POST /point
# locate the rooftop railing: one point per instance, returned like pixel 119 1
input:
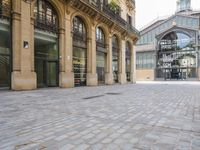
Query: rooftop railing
pixel 102 6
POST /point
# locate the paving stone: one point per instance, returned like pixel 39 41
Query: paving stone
pixel 67 147
pixel 143 116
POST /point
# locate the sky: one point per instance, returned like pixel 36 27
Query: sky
pixel 149 10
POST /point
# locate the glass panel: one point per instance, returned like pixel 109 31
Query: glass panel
pixel 5 51
pixel 40 70
pixel 128 61
pixel 79 30
pixel 101 58
pixel 46 50
pixel 5 71
pixel 79 64
pixel 51 73
pixel 46 16
pixel 115 57
pixel 79 51
pixel 176 57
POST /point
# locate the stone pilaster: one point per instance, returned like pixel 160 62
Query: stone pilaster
pixel 109 71
pixel 198 74
pixel 133 65
pixel 91 57
pixel 23 76
pixel 66 76
pixel 122 63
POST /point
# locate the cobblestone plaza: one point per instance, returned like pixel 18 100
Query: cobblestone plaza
pixel 141 116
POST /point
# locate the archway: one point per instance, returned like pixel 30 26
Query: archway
pixel 46 44
pixel 101 55
pixel 5 43
pixel 115 58
pixel 176 57
pixel 79 51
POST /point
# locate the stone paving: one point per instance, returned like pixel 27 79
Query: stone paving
pixel 119 117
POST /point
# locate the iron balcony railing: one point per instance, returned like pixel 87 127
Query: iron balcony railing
pixel 5 9
pixel 96 3
pixel 78 36
pixel 101 5
pixel 100 44
pixel 44 21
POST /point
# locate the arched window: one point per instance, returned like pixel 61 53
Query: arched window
pixel 176 57
pixel 176 40
pixel 101 55
pixel 46 44
pixel 100 37
pixel 79 51
pixel 79 30
pixel 46 17
pixel 128 61
pixel 115 57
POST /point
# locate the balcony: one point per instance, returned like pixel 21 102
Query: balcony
pixel 95 7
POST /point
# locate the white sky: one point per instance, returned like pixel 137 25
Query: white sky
pixel 149 10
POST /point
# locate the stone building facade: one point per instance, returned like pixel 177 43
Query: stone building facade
pixel 168 48
pixel 66 43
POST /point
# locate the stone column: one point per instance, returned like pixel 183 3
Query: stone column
pixel 91 59
pixel 66 76
pixel 122 63
pixel 133 65
pixel 23 76
pixel 109 70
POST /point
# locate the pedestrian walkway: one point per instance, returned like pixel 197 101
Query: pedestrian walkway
pixel 170 82
pixel 118 117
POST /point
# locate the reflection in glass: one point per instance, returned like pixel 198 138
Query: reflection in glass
pixel 115 58
pixel 46 59
pixel 5 47
pixel 101 55
pixel 79 64
pixel 46 44
pixel 176 57
pixel 128 61
pixel 79 52
pixel 46 16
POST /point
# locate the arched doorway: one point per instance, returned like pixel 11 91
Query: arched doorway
pixel 46 44
pixel 79 51
pixel 5 43
pixel 176 57
pixel 128 61
pixel 115 58
pixel 101 55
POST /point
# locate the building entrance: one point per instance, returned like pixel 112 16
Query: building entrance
pixel 47 72
pixel 46 59
pixel 46 44
pixel 178 73
pixel 176 58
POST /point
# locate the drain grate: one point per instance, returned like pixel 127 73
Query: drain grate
pixel 113 93
pixel 92 97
